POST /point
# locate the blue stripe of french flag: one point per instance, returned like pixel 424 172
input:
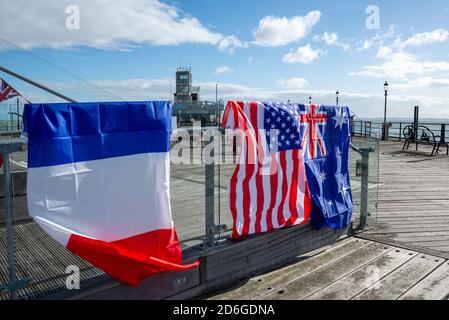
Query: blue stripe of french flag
pixel 98 182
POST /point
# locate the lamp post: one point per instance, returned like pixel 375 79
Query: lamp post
pixel 310 100
pixel 384 127
pixel 337 95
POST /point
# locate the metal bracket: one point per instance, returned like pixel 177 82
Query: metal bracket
pixel 216 229
pixel 14 286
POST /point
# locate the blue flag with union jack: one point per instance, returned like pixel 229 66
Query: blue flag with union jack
pixel 293 166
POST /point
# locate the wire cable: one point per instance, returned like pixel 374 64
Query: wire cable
pixel 59 68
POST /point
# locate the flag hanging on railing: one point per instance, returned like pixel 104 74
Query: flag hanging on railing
pixel 293 166
pixel 98 182
pixel 7 91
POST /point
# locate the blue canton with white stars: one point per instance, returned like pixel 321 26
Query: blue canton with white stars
pixel 284 118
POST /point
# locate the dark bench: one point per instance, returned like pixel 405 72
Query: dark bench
pixel 424 136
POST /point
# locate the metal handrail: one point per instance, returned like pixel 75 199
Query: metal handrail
pixel 359 127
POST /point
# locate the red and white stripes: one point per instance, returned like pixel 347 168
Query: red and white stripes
pixel 267 190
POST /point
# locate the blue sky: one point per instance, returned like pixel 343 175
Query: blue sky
pixel 262 50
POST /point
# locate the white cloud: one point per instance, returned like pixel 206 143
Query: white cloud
pixel 118 26
pixel 393 39
pixel 384 52
pixel 422 82
pixel 223 70
pixel 438 35
pixel 278 31
pixel 328 37
pixel 401 65
pixel 331 38
pixel 293 83
pixel 231 43
pixel 380 39
pixel 363 104
pixel 365 46
pixel 305 55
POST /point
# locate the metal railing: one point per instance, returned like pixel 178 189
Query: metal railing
pixel 209 175
pixel 11 116
pixel 6 148
pixel 365 129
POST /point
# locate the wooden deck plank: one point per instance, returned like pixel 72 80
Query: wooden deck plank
pixel 433 287
pixel 258 286
pixel 310 283
pixel 354 283
pixel 402 279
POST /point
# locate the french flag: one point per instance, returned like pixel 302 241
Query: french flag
pixel 98 183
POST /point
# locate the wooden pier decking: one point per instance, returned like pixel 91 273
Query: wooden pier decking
pixel 413 199
pixel 354 269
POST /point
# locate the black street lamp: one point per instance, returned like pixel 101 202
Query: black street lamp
pixel 384 131
pixel 337 95
pixel 310 100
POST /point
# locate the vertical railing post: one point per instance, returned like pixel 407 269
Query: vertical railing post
pixel 364 188
pixel 416 125
pixel 363 168
pixel 18 115
pixel 443 133
pixel 210 200
pixel 6 148
pixel 10 119
pixel 9 224
pixel 211 228
pixel 400 131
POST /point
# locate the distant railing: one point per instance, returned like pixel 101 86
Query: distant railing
pixel 11 116
pixel 365 129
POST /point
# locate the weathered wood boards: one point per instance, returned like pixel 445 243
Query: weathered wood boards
pixel 311 283
pixel 352 270
pixel 261 285
pixel 401 280
pixel 354 283
pixel 434 286
pixel 413 198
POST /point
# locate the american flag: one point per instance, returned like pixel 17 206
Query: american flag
pixel 6 91
pixel 283 146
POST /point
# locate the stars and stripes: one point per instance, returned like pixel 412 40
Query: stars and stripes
pixel 268 189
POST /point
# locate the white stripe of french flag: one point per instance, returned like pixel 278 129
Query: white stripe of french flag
pixel 98 183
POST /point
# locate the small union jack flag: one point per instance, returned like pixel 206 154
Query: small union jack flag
pixel 6 91
pixel 311 120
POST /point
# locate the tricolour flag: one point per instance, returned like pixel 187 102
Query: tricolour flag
pixel 293 166
pixel 98 182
